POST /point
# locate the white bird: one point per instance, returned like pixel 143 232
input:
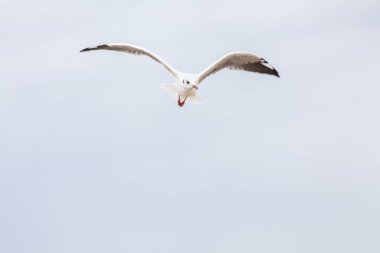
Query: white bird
pixel 186 85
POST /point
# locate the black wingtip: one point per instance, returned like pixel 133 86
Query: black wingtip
pixel 104 46
pixel 275 72
pixel 268 69
pixel 84 50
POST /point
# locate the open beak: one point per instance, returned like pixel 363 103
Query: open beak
pixel 195 87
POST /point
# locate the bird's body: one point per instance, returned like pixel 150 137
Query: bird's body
pixel 186 86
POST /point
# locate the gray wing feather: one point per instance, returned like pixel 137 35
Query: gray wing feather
pixel 131 49
pixel 239 61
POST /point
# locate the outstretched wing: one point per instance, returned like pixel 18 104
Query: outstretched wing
pixel 127 48
pixel 239 61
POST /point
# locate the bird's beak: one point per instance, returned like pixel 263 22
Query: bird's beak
pixel 195 87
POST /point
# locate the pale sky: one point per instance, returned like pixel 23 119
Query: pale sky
pixel 94 157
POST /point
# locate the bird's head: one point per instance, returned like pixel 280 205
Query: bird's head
pixel 190 82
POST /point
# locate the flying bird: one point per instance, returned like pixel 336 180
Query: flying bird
pixel 186 86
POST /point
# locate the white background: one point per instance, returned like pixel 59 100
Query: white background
pixel 94 157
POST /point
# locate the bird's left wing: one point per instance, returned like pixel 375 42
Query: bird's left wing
pixel 128 48
pixel 239 61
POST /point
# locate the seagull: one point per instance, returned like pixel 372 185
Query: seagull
pixel 186 86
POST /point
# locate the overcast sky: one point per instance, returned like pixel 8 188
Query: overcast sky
pixel 94 157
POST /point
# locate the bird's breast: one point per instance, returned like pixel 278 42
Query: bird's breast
pixel 185 91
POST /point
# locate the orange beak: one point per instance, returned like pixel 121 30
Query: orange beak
pixel 195 87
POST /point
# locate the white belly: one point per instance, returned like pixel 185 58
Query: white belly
pixel 185 91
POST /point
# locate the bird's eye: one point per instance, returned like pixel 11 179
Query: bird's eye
pixel 187 82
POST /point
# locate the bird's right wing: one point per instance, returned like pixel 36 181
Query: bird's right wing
pixel 128 48
pixel 239 61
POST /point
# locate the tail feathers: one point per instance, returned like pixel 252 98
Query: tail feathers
pixel 194 100
pixel 170 89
